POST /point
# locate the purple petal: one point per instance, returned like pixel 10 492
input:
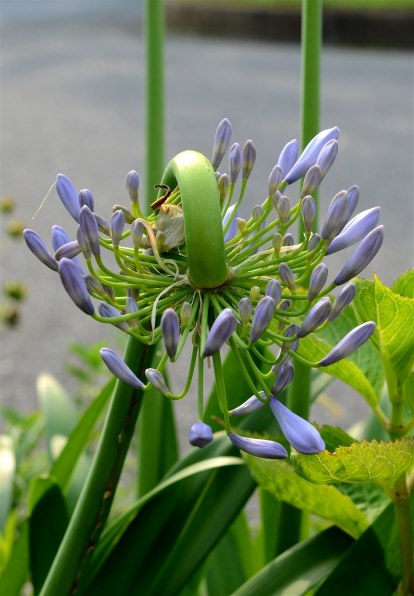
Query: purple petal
pixel 132 185
pixel 221 330
pixel 170 329
pixel 310 154
pixel 75 285
pixel 250 405
pixel 221 142
pixel 302 435
pixel 235 161
pixel 349 343
pixel 262 316
pixel 68 195
pixel 317 280
pixel 342 300
pixel 157 380
pixel 362 256
pixel 355 230
pixel 117 226
pixel 249 159
pixel 315 317
pixel 118 368
pixel 89 227
pixel 259 447
pixel 288 156
pixel 284 377
pixel 39 249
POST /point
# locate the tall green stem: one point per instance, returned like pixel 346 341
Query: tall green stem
pixel 97 495
pixel 401 498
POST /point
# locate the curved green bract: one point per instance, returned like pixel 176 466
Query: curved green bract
pixel 194 175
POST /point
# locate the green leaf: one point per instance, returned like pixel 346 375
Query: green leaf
pixel 280 479
pixel 300 568
pixel 408 391
pixel 361 462
pixel 404 284
pixel 7 471
pixel 13 577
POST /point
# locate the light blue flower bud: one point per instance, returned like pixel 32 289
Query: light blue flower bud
pixel 90 229
pixel 129 218
pixel 262 316
pixel 355 230
pixel 137 232
pixel 287 276
pixel 186 311
pixel 108 311
pixel 221 330
pixel 302 435
pixel 170 329
pixel 249 158
pixel 342 300
pixel 119 369
pixel 223 184
pixel 283 379
pixel 275 178
pixel 232 230
pixel 250 405
pixel 75 285
pixel 157 380
pixel 68 250
pixel 200 434
pixel 308 211
pixel 310 154
pixel 288 240
pixel 312 180
pixel 314 241
pixel 336 216
pixel 257 212
pixel 276 199
pixel 259 447
pixel 291 331
pixel 274 290
pixel 131 306
pixel 94 286
pixel 68 195
pixel 349 343
pixel 327 156
pixel 83 243
pixel 103 225
pixel 117 226
pixel 283 209
pixel 221 142
pixel 353 198
pixel 132 185
pixel 39 249
pixel 361 257
pixel 316 316
pixel 245 310
pixel 86 198
pixel 59 237
pixel 235 161
pixel 317 280
pixel 288 156
pixel 285 305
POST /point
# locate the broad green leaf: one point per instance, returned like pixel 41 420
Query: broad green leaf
pixel 13 577
pixel 279 478
pixel 371 499
pixel 300 568
pixel 7 471
pixel 408 391
pixel 404 284
pixel 335 437
pixel 361 462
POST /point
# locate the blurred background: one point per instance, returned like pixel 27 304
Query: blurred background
pixel 72 101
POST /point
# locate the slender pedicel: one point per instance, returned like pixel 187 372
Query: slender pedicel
pixel 200 434
pixel 118 368
pixel 349 343
pixel 259 447
pixel 302 435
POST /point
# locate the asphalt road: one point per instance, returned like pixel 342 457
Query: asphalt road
pixel 72 101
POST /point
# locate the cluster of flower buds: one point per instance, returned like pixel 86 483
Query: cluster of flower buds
pixel 277 290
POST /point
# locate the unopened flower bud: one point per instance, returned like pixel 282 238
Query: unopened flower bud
pixel 250 405
pixel 327 156
pixel 277 242
pixel 285 305
pixel 241 224
pixel 308 211
pixel 287 276
pixel 83 243
pixel 131 306
pixel 262 316
pixel 235 161
pixel 288 156
pixel 290 332
pixel 342 300
pixel 317 280
pixel 336 216
pixel 274 290
pixel 288 240
pixel 86 198
pixel 68 250
pixel 355 230
pixel 103 225
pixel 109 311
pixel 315 317
pixel 314 241
pixel 221 330
pixel 170 329
pixel 75 285
pixel 117 227
pixel 221 142
pixel 119 369
pixel 353 198
pixel 245 310
pixel 137 232
pixel 39 249
pixel 59 237
pixel 132 185
pixel 129 218
pixel 68 195
pixel 232 229
pixel 361 257
pixel 254 293
pixel 157 380
pixel 283 209
pixel 249 158
pixel 94 286
pixel 283 379
pixel 310 154
pixel 351 342
pixel 200 434
pixel 186 311
pixel 259 447
pixel 312 180
pixel 275 178
pixel 257 212
pixel 90 230
pixel 223 184
pixel 300 433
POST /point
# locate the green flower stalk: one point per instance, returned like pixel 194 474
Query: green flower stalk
pixel 194 267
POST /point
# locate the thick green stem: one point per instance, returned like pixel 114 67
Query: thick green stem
pixel 97 495
pixel 401 498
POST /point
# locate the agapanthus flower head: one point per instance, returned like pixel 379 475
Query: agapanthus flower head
pixel 200 269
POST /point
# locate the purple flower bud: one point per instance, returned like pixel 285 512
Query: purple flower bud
pixel 221 330
pixel 119 369
pixel 291 331
pixel 232 230
pixel 68 195
pixel 284 377
pixel 94 286
pixel 170 329
pixel 317 280
pixel 287 276
pixel 223 184
pixel 257 212
pixel 283 209
pixel 249 158
pixel 349 343
pixel 327 156
pixel 259 447
pixel 117 226
pixel 221 142
pixel 245 310
pixel 109 311
pixel 274 290
pixel 59 237
pixel 343 299
pixel 336 216
pixel 235 161
pixel 308 210
pixel 316 316
pixel 355 230
pixel 262 316
pixel 353 198
pixel 288 240
pixel 137 231
pixel 131 305
pixel 361 257
pixel 68 250
pixel 86 198
pixel 39 249
pixel 314 241
pixel 83 243
pixel 275 178
pixel 312 180
pixel 200 434
pixel 103 225
pixel 302 435
pixel 132 185
pixel 288 156
pixel 157 380
pixel 75 285
pixel 250 405
pixel 90 230
pixel 285 305
pixel 310 154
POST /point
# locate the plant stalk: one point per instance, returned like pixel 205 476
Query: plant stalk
pixel 401 499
